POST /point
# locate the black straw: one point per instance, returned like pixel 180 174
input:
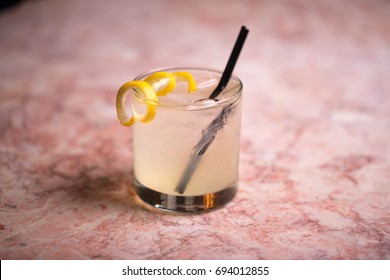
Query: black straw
pixel 231 63
pixel 208 134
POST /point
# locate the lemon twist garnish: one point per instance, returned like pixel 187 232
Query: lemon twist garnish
pixel 187 77
pixel 155 78
pixel 163 82
pixel 150 99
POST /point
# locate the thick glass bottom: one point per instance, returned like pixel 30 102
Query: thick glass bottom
pixel 189 204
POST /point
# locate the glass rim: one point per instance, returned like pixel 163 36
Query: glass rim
pixel 237 91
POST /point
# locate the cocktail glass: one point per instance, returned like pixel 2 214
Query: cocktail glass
pixel 187 158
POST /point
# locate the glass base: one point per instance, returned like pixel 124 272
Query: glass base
pixel 189 204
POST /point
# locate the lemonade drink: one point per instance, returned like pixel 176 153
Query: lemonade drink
pixel 164 147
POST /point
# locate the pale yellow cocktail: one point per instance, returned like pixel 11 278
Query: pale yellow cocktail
pixel 186 158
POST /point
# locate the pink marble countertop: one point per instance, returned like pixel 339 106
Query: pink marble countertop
pixel 315 149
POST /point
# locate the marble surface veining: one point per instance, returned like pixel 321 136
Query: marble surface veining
pixel 315 144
